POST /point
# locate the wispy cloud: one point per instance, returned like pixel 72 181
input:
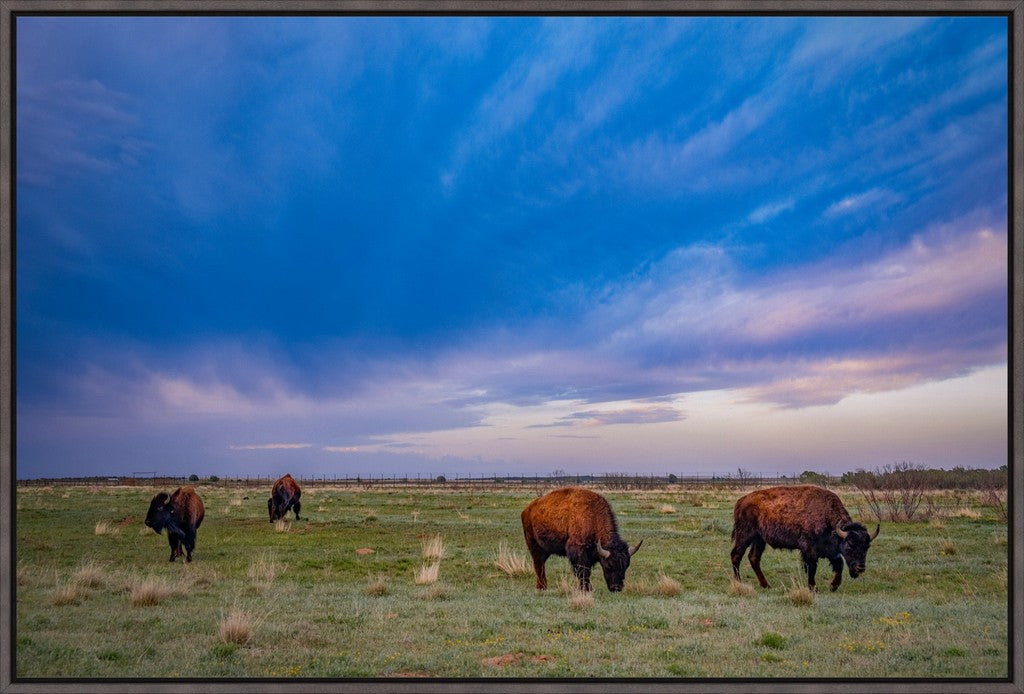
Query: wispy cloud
pixel 270 446
pixel 636 415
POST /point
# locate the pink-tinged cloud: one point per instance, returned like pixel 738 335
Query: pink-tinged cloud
pixel 270 446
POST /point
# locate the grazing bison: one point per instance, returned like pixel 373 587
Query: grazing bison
pixel 804 517
pixel 181 513
pixel 284 496
pixel 579 524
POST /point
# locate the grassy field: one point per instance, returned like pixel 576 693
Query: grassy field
pixel 96 596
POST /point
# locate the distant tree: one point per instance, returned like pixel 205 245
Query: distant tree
pixel 214 478
pixel 193 478
pixel 672 479
pixel 811 477
pixel 440 478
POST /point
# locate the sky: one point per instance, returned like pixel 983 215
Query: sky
pixel 510 245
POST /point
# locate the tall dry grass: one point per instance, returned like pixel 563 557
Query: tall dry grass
pixel 236 627
pixel 263 569
pixel 150 591
pixel 511 562
pixel 433 548
pixel 428 573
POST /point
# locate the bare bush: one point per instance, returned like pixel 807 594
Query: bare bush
pixel 894 492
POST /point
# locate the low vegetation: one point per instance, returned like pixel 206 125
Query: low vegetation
pixel 336 596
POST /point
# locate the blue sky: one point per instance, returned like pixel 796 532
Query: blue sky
pixel 401 245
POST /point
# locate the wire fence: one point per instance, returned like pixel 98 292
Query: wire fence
pixel 610 481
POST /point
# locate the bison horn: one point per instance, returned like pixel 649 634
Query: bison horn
pixel 633 551
pixel 840 532
pixel 602 552
pixel 875 534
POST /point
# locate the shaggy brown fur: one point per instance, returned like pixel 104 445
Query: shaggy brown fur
pixel 579 524
pixel 181 513
pixel 804 517
pixel 284 496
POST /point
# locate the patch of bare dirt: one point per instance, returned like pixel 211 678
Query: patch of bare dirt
pixel 364 550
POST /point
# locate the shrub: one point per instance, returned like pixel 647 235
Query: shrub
pixel 193 478
pixel 771 639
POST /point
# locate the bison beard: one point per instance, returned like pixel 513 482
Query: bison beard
pixel 181 513
pixel 578 524
pixel 804 517
pixel 284 495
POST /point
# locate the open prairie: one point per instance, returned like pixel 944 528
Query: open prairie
pixel 430 582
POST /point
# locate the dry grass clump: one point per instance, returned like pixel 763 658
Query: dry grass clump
pixel 433 548
pixel 510 561
pixel 262 571
pixel 936 524
pixel 581 599
pixel 999 538
pixel 948 548
pixel 965 513
pixel 428 573
pixel 739 589
pixel 67 594
pixel 282 526
pixel 105 528
pixel 437 591
pixel 799 594
pixel 667 586
pixel 235 502
pixel 236 627
pixel 88 575
pixel 150 591
pixel 668 508
pixel 377 586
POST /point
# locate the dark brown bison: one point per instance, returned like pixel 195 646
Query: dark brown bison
pixel 284 496
pixel 579 524
pixel 804 517
pixel 181 513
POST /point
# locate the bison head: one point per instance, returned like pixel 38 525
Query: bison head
pixel 854 542
pixel 159 515
pixel 614 562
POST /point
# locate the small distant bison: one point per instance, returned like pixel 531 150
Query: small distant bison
pixel 284 496
pixel 579 524
pixel 181 513
pixel 804 517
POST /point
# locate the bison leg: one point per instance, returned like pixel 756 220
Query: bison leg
pixel 837 570
pixel 755 560
pixel 190 544
pixel 539 557
pixel 175 543
pixel 738 549
pixel 580 566
pixel 295 507
pixel 811 566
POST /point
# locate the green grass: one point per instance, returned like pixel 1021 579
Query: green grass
pixel 320 609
